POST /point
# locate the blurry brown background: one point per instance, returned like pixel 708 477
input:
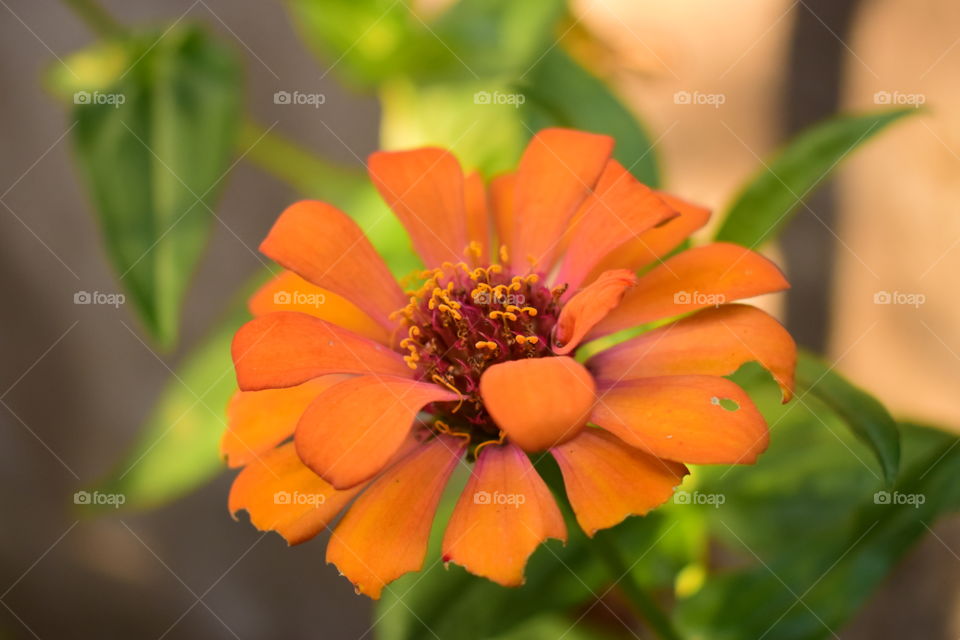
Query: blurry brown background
pixel 76 381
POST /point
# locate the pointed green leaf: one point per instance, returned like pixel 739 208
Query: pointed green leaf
pixel 764 206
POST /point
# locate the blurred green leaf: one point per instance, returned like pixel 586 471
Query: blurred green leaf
pixel 561 93
pixel 178 449
pixel 810 530
pixel 863 413
pixel 154 148
pixel 766 203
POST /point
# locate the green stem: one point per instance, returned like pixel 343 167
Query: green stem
pixel 96 18
pixel 644 605
pixel 292 163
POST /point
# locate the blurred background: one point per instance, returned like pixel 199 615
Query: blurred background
pixel 77 381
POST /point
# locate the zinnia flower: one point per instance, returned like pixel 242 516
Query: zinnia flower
pixel 356 396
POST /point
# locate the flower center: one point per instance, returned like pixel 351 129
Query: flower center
pixel 461 321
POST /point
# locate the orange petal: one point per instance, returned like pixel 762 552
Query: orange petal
pixel 385 533
pixel 424 188
pixel 538 402
pixel 260 420
pixel 478 216
pixel 290 292
pixel 684 418
pixel 714 342
pixel 501 202
pixel 694 279
pixel 283 495
pixel 503 514
pixel 349 433
pixel 655 243
pixel 608 480
pixel 588 307
pixel 618 211
pixel 557 171
pixel 322 244
pixel 285 348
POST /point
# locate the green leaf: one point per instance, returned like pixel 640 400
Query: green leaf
pixel 561 93
pixel 764 206
pixel 154 148
pixel 178 448
pixel 863 413
pixel 810 530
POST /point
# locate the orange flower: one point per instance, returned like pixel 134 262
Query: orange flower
pixel 384 393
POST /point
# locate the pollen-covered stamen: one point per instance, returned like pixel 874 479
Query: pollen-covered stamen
pixel 461 321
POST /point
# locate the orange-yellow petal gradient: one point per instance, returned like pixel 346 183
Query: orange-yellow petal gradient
pixel 259 420
pixel 290 292
pixel 283 495
pixel 502 516
pixel 713 342
pixel 538 402
pixel 478 215
pixel 608 480
pixel 287 348
pixel 618 211
pixel 502 189
pixel 588 307
pixel 702 277
pixel 326 247
pixel 424 188
pixel 385 533
pixel 557 171
pixel 655 243
pixel 351 430
pixel 684 418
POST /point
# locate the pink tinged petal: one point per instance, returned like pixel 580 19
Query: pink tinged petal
pixel 538 402
pixel 557 171
pixel 286 348
pixel 327 248
pixel 588 307
pixel 424 188
pixel 385 533
pixel 713 342
pixel 693 419
pixel 618 211
pixel 702 277
pixel 502 516
pixel 350 432
pixel 607 480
